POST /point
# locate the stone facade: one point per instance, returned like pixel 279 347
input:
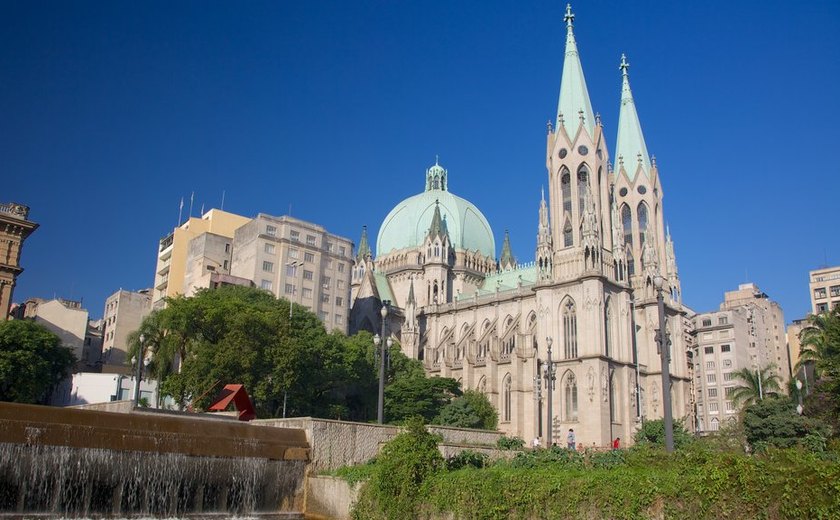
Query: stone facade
pixel 586 306
pixel 124 311
pixel 15 228
pixel 825 289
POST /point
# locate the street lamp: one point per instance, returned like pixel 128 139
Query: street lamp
pixel 799 393
pixel 140 361
pixel 550 372
pixel 381 345
pixel 665 354
pixel 294 266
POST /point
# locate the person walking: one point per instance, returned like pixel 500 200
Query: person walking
pixel 570 439
pixel 536 443
pixel 617 443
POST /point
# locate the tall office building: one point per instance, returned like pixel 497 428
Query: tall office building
pixel 298 261
pixel 825 289
pixel 15 228
pixel 124 311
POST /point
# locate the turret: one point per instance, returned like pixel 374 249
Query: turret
pixel 506 259
pixel 544 252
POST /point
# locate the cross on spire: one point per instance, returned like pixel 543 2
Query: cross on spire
pixel 436 160
pixel 624 65
pixel 570 17
pixel 580 115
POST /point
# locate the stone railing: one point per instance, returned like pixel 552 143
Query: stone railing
pixel 15 210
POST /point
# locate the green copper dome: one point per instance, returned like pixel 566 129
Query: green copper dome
pixel 408 223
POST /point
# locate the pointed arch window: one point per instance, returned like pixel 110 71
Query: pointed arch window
pixel 570 398
pixel 631 263
pixel 582 183
pixel 570 346
pixel 566 188
pixel 627 224
pixel 568 236
pixel 642 212
pixel 506 399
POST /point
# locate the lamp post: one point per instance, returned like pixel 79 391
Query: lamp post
pixel 140 360
pixel 665 355
pixel 381 343
pixel 294 266
pixel 799 393
pixel 538 401
pixel 549 387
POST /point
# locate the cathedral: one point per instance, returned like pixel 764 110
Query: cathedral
pixel 566 341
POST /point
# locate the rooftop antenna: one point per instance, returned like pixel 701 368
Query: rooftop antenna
pixel 192 196
pixel 180 210
pixel 290 209
pixel 202 209
pixel 223 200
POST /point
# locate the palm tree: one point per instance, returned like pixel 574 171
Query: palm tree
pixel 820 342
pixel 755 384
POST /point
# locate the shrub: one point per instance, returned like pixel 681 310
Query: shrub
pixel 774 422
pixel 653 432
pixel 510 443
pixel 607 459
pixel 467 458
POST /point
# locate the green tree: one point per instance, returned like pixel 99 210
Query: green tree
pixel 653 433
pixel 820 343
pixel 774 422
pixel 755 385
pixel 32 361
pixel 413 394
pixel 471 410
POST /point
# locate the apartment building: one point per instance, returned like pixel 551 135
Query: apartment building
pixel 298 261
pixel 123 314
pixel 746 332
pixel 825 289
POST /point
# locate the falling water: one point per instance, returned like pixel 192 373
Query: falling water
pixel 83 482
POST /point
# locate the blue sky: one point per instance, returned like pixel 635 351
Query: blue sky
pixel 110 112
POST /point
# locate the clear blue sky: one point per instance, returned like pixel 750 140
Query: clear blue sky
pixel 111 111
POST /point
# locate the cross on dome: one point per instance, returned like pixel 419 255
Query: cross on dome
pixel 570 17
pixel 624 65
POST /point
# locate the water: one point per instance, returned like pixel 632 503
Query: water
pixel 62 481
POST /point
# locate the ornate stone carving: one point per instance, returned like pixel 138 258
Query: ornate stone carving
pixel 590 383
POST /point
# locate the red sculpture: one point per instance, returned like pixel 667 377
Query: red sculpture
pixel 239 397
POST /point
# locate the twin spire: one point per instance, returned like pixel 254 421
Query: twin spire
pixel 574 107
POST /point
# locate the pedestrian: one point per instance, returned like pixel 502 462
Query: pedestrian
pixel 617 443
pixel 536 443
pixel 570 439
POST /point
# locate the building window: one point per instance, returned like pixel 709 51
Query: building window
pixel 711 378
pixel 310 240
pixel 707 322
pixel 568 237
pixel 643 223
pixel 627 224
pixel 834 290
pixel 726 363
pixel 307 293
pixel 709 350
pixel 338 301
pixel 822 307
pixel 570 330
pixel 329 246
pixel 322 315
pixel 339 284
pixel 325 298
pixel 725 348
pixel 308 257
pixel 342 250
pixel 339 319
pixel 730 406
pixel 269 248
pixel 819 292
pixel 307 275
pixel 506 412
pixel 266 284
pixel 571 398
pixel 340 267
pixel 293 253
pixel 710 365
pixel 295 236
pixel 715 424
pixel 566 188
pixel 728 391
pixel 728 376
pixel 268 267
pixel 227 248
pixel 291 270
pixel 712 392
pixel 225 265
pixel 290 289
pixel 582 185
pixel 327 282
pixel 723 320
pixel 713 407
pixel 270 231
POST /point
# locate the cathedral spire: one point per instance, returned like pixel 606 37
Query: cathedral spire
pixel 630 148
pixel 506 260
pixel 544 254
pixel 411 300
pixel 438 227
pixel 364 246
pixel 573 107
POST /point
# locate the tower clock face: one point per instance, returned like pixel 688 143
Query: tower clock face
pixel 563 153
pixel 583 150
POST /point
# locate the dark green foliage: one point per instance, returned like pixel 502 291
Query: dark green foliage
pixel 653 432
pixel 414 394
pixel 554 457
pixel 355 474
pixel 467 458
pixel 32 361
pixel 401 468
pixel 607 459
pixel 510 443
pixel 471 410
pixel 823 403
pixel 774 422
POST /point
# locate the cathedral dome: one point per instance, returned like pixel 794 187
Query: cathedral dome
pixel 408 223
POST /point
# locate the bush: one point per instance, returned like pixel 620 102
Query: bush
pixel 607 459
pixel 467 458
pixel 355 474
pixel 555 457
pixel 653 432
pixel 510 443
pixel 774 422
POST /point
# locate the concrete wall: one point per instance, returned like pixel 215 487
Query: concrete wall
pixel 329 497
pixel 339 443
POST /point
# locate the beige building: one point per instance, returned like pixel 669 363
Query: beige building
pixel 69 321
pixel 489 321
pixel 124 311
pixel 298 261
pixel 173 251
pixel 15 228
pixel 794 345
pixel 747 332
pixel 825 289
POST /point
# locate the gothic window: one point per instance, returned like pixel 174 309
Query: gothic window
pixel 566 186
pixel 568 238
pixel 583 182
pixel 631 263
pixel 627 224
pixel 570 347
pixel 506 415
pixel 643 222
pixel 607 328
pixel 570 397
